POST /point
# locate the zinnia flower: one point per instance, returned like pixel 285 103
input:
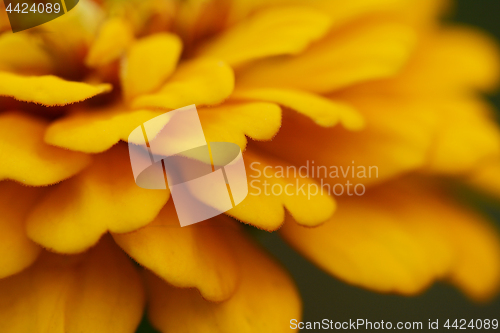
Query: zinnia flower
pixel 362 82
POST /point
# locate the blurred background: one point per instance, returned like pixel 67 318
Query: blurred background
pixel 326 297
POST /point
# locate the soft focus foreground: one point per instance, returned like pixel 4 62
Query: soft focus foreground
pixel 367 82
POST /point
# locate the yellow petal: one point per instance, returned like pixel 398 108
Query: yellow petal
pixel 200 82
pixel 201 255
pixel 322 111
pixel 96 131
pixel 76 213
pixel 99 291
pixel 48 90
pixel 466 138
pixel 113 39
pixel 486 177
pixel 27 159
pixel 148 63
pixel 270 193
pixel 400 239
pixel 265 299
pixel 17 251
pixel 234 122
pixel 358 54
pixel 271 32
pixel 22 53
pixel 389 148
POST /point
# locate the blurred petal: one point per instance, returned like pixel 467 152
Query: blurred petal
pixel 23 53
pixel 148 63
pixel 76 213
pixel 48 90
pixel 466 138
pixel 200 253
pixel 200 82
pixel 99 291
pixel 265 299
pixel 96 131
pixel 322 111
pixel 113 39
pixel 27 159
pixel 17 251
pixel 361 53
pixel 401 241
pixel 271 32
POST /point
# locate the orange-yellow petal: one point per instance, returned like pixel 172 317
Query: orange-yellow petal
pixel 322 111
pixel 402 240
pixel 17 251
pixel 96 131
pixel 99 291
pixel 234 122
pixel 357 54
pixel 148 63
pixel 272 189
pixel 76 213
pixel 265 299
pixel 27 159
pixel 270 32
pixel 200 82
pixel 48 90
pixel 200 254
pixel 113 40
pixel 23 53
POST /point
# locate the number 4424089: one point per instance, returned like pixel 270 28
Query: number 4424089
pixel 462 324
pixel 24 8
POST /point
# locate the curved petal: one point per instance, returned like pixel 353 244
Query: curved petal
pixel 361 53
pixel 200 82
pixel 48 90
pixel 402 240
pixel 99 291
pixel 272 188
pixel 27 159
pixel 17 251
pixel 233 122
pixel 96 131
pixel 114 38
pixel 76 213
pixel 264 301
pixel 270 32
pixel 201 255
pixel 322 111
pixel 23 54
pixel 148 63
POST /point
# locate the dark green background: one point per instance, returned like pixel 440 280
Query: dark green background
pixel 326 297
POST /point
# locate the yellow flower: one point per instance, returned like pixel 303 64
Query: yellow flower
pixel 374 82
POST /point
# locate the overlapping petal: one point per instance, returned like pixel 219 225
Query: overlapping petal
pixel 264 301
pixel 202 81
pixel 148 63
pixel 99 291
pixel 114 38
pixel 17 251
pixel 402 240
pixel 96 131
pixel 343 58
pixel 270 32
pixel 33 59
pixel 48 90
pixel 76 213
pixel 322 111
pixel 27 159
pixel 201 254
